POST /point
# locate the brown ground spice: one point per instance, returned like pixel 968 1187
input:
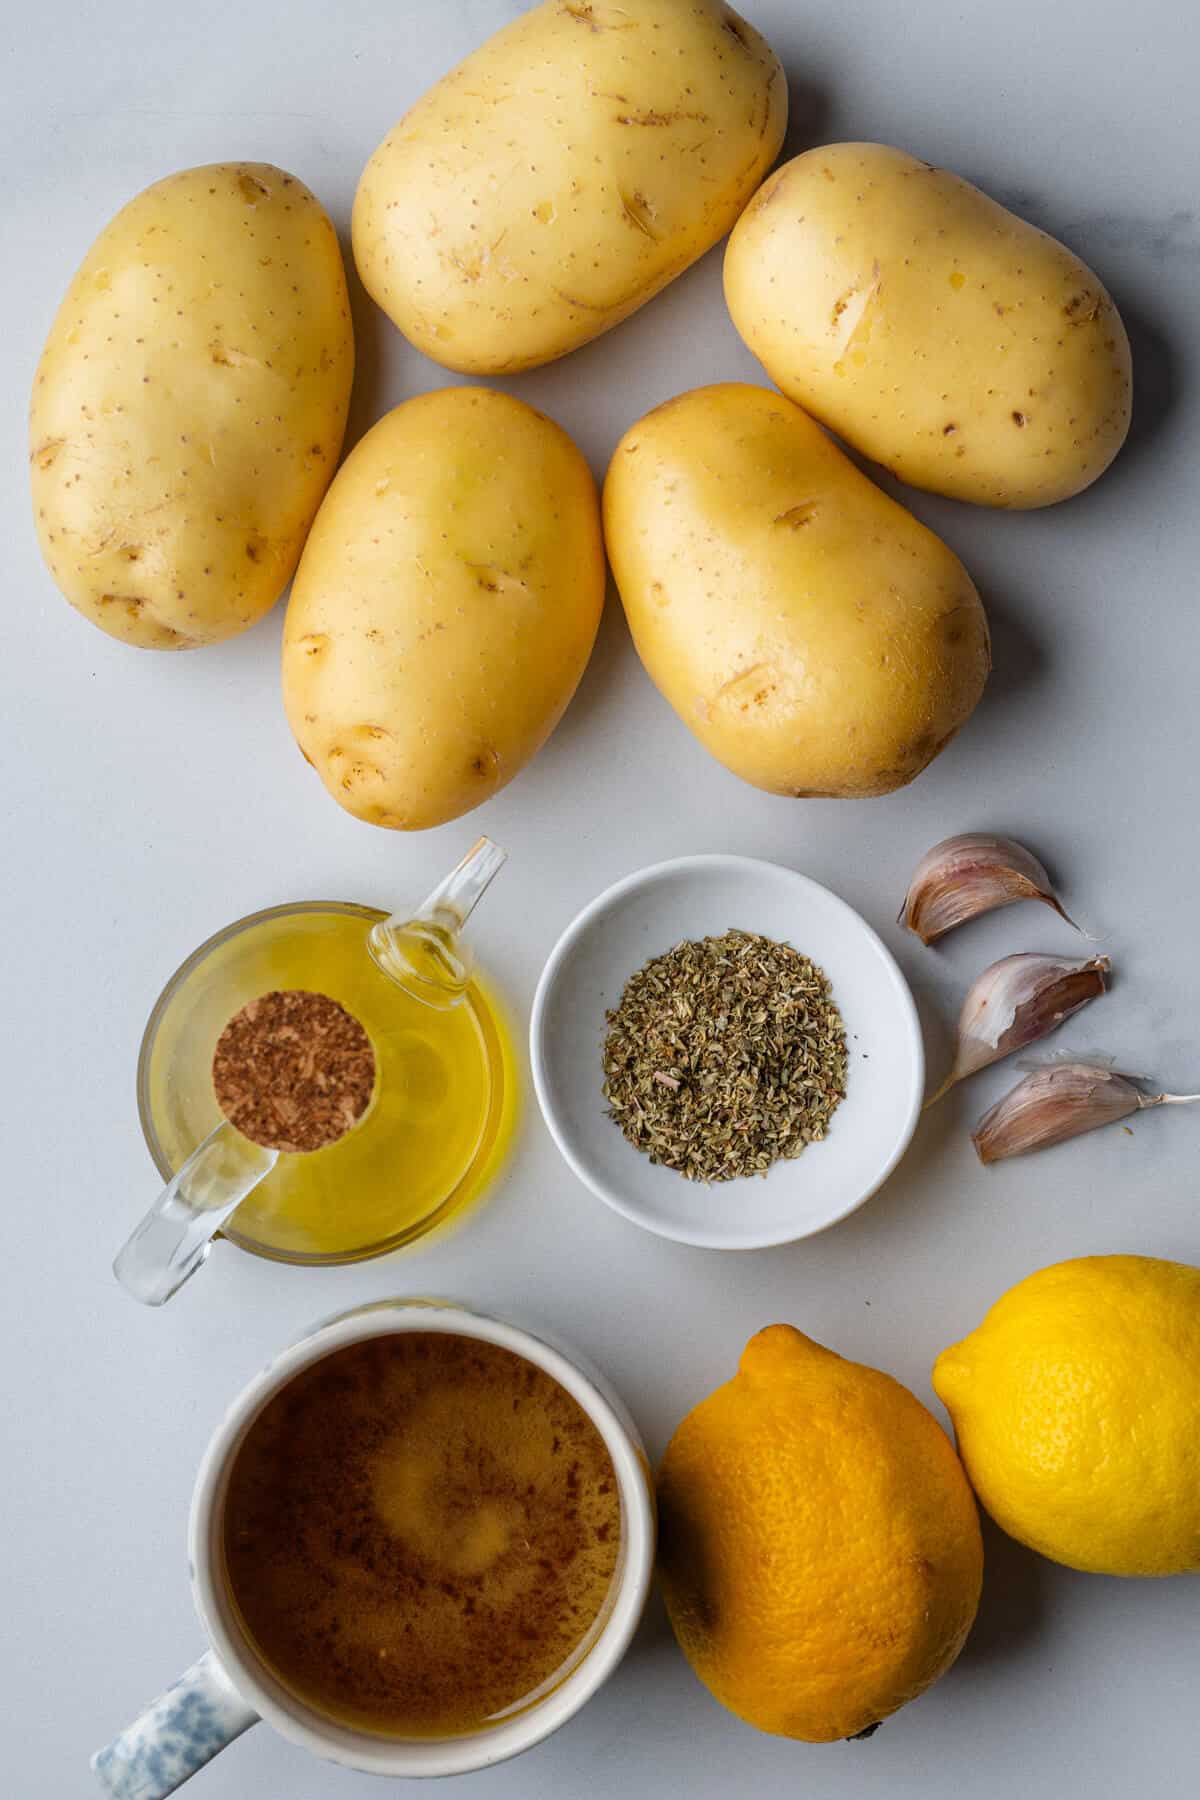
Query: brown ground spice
pixel 293 1070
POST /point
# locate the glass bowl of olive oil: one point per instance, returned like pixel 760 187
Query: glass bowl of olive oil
pixel 438 1126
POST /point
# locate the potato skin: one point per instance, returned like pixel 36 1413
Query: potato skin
pixel 571 167
pixel 189 405
pixel 445 606
pixel 933 330
pixel 814 636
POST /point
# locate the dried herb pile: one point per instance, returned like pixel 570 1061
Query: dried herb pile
pixel 724 1055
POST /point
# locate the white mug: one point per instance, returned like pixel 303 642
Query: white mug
pixel 230 1688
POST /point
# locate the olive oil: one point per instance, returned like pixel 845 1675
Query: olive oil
pixel 436 1128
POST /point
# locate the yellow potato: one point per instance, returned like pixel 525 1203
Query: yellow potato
pixel 445 607
pixel 571 167
pixel 814 636
pixel 935 331
pixel 189 406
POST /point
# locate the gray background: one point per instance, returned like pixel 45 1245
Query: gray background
pixel 147 800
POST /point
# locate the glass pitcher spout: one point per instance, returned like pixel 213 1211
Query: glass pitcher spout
pixel 426 954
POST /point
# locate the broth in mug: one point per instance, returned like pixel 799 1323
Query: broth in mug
pixel 420 1534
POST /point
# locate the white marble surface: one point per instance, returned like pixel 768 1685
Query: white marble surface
pixel 147 800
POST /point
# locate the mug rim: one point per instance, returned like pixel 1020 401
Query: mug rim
pixel 343 1744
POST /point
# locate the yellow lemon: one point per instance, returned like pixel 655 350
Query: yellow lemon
pixel 820 1548
pixel 1077 1409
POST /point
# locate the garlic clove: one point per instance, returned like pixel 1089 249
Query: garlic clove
pixel 1059 1102
pixel 971 874
pixel 1017 1001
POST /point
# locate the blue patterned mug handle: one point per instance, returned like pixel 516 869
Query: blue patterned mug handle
pixel 176 1735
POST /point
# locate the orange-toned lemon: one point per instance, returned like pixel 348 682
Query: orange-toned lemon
pixel 821 1556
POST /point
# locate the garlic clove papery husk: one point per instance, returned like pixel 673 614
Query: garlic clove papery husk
pixel 971 874
pixel 1059 1102
pixel 1017 1001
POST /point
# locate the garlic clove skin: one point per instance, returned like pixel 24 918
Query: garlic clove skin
pixel 971 874
pixel 1017 1001
pixel 1059 1102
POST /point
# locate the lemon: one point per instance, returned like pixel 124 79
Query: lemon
pixel 820 1549
pixel 1077 1409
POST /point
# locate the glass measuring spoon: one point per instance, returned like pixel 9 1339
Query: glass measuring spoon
pixel 425 954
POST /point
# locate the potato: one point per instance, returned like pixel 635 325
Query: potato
pixel 814 636
pixel 565 172
pixel 189 406
pixel 936 332
pixel 445 606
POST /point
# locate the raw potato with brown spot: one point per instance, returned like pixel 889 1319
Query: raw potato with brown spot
pixel 189 405
pixel 563 174
pixel 813 635
pixel 935 331
pixel 445 607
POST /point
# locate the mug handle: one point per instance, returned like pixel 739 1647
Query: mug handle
pixel 175 1735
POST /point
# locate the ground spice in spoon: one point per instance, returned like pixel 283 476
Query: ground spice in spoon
pixel 293 1070
pixel 725 1055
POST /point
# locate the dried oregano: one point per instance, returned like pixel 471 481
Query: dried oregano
pixel 724 1055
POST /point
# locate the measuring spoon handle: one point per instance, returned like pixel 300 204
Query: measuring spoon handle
pixel 176 1234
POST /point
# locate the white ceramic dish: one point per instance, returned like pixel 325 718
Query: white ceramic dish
pixel 702 896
